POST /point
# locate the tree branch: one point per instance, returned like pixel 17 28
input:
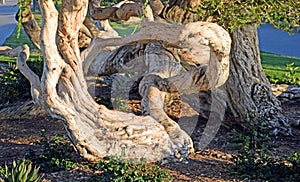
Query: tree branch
pixel 30 25
pixel 22 52
pixel 121 11
pixel 30 75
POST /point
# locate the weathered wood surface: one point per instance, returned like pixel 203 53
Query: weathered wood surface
pixel 249 95
pixel 248 90
pixel 160 58
pixel 98 132
pixel 286 93
pixel 30 25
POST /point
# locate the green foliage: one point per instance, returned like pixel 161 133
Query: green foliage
pixel 117 169
pixel 291 77
pixel 22 172
pixel 57 154
pixel 253 161
pixel 232 14
pixel 294 159
pixel 13 85
pixel 10 89
pixel 22 7
pixel 124 29
pixel 2 173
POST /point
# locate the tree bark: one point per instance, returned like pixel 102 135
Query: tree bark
pixel 98 132
pixel 122 12
pixel 30 25
pixel 95 131
pixel 165 58
pixel 248 92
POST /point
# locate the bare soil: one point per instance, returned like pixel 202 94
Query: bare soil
pixel 17 137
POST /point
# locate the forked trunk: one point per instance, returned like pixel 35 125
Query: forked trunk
pixel 185 59
pixel 98 132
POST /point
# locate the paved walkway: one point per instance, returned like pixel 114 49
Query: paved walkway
pixel 7 19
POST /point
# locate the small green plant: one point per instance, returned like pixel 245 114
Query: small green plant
pixel 119 104
pixel 13 85
pixel 253 161
pixel 291 77
pixel 117 169
pixel 10 85
pixel 2 173
pixel 294 159
pixel 57 154
pixel 22 172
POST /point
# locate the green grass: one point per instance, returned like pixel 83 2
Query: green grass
pixel 13 41
pixel 124 29
pixel 275 66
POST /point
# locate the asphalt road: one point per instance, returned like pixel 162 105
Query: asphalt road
pixel 7 19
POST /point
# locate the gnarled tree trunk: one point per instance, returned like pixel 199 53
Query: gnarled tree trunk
pixel 248 92
pixel 190 59
pixel 96 131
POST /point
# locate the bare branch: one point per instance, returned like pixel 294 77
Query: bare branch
pixel 122 11
pixel 91 27
pixel 8 51
pixel 157 6
pixel 30 75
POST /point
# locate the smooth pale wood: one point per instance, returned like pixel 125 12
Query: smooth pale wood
pixel 11 52
pixel 96 131
pixel 147 59
pixel 34 79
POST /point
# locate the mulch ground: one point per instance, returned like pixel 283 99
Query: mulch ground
pixel 17 137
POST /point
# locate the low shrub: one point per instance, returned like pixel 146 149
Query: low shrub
pixel 254 162
pixel 117 169
pixel 57 154
pixel 14 86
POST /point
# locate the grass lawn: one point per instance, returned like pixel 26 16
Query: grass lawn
pixel 275 66
pixel 277 69
pixel 13 41
pixel 125 29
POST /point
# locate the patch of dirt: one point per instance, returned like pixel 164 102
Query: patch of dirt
pixel 17 137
